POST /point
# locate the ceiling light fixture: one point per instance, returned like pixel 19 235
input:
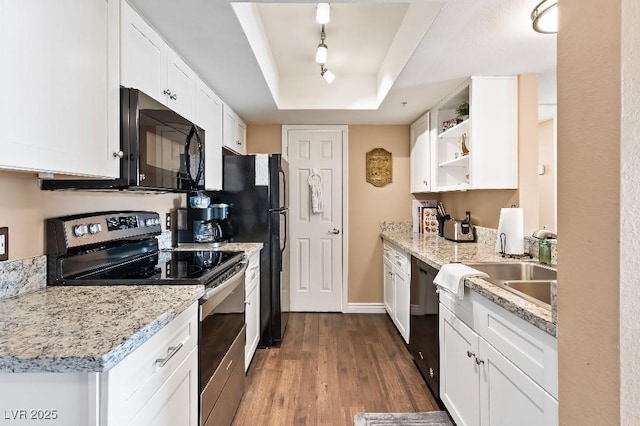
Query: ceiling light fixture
pixel 323 13
pixel 326 74
pixel 321 51
pixel 545 17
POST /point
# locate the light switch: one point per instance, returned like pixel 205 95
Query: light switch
pixel 541 169
pixel 4 243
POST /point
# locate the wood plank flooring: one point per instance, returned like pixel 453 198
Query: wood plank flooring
pixel 328 368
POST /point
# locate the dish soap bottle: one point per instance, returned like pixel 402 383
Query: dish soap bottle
pixel 544 251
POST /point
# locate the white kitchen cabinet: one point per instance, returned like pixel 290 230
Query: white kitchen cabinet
pixel 149 64
pixel 59 109
pixel 252 291
pixel 139 390
pixel 235 132
pixel 490 133
pixel 459 388
pixel 421 155
pixel 479 385
pixel 160 376
pixel 209 117
pixel 396 282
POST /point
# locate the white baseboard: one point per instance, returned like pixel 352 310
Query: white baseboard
pixel 365 308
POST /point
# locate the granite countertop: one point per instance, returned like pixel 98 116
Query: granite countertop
pixel 436 251
pixel 85 328
pixel 248 248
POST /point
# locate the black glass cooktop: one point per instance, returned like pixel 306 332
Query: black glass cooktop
pixel 164 267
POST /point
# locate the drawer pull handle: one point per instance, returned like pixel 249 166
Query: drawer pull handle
pixel 470 354
pixel 229 366
pixel 170 353
pixel 479 361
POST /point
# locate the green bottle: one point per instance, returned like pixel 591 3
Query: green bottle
pixel 544 251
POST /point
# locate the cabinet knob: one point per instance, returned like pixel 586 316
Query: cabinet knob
pixel 239 143
pixel 479 361
pixel 470 354
pixel 174 96
pixel 142 177
pixel 118 154
pixel 431 372
pixel 425 182
pixel 167 92
pixel 420 354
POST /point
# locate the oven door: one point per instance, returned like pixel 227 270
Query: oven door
pixel 221 350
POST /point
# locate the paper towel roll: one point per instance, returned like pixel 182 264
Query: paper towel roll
pixel 511 224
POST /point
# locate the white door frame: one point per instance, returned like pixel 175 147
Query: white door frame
pixel 345 192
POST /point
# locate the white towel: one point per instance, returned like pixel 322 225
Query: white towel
pixel 451 277
pixel 315 184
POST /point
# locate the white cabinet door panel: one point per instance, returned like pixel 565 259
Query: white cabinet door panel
pixel 509 397
pixel 420 155
pixel 181 81
pixel 209 117
pixel 401 300
pixel 388 287
pixel 57 95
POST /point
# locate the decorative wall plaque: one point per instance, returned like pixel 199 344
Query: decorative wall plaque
pixel 378 167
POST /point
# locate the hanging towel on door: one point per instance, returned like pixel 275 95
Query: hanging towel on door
pixel 315 186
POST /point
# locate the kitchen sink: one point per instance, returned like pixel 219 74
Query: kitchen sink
pixel 526 279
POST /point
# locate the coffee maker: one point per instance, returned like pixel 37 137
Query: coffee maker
pixel 202 225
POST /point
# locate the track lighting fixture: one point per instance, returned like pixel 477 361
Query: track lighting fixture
pixel 321 51
pixel 323 13
pixel 326 74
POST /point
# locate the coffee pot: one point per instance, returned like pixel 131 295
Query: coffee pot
pixel 207 231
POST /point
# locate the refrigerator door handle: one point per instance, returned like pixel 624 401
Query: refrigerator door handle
pixel 284 246
pixel 284 185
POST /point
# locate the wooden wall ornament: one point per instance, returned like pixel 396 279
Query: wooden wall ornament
pixel 379 169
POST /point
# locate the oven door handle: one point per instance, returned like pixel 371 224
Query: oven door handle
pixel 213 297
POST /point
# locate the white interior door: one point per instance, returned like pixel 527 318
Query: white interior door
pixel 316 238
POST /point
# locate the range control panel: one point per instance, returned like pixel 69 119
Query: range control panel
pixel 91 229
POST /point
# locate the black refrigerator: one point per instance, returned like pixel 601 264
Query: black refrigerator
pixel 255 187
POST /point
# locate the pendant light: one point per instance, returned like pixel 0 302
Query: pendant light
pixel 326 74
pixel 323 13
pixel 321 51
pixel 544 17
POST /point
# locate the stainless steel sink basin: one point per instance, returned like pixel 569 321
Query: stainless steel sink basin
pixel 526 279
pixel 514 271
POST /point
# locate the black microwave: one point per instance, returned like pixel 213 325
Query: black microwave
pixel 159 150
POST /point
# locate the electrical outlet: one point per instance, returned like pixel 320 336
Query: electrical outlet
pixel 4 243
pixel 167 222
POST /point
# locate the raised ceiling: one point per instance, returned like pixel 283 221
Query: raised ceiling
pixel 465 37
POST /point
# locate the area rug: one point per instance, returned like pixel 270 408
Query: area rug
pixel 433 418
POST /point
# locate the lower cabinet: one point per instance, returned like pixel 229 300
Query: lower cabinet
pixel 156 384
pixel 396 282
pixel 252 312
pixel 480 386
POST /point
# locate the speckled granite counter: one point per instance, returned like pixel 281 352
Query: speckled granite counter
pixel 248 248
pixel 84 329
pixel 436 251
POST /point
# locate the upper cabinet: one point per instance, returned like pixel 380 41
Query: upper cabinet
pixel 421 155
pixel 60 61
pixel 234 132
pixel 149 64
pixel 477 148
pixel 209 117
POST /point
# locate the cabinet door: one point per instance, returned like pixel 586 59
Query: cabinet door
pixel 230 128
pixel 176 402
pixel 508 396
pixel 420 155
pixel 143 56
pixel 401 300
pixel 253 326
pixel 241 136
pixel 59 83
pixel 459 388
pixel 209 117
pixel 388 286
pixel 181 86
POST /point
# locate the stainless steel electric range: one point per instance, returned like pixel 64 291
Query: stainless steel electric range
pixel 121 248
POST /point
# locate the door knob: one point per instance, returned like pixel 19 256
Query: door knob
pixel 334 231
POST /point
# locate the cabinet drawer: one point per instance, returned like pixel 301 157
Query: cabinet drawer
pixel 136 378
pixel 399 258
pixel 462 308
pixel 532 350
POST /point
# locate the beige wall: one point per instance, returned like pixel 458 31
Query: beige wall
pixel 589 96
pixel 484 204
pixel 24 207
pixel 528 151
pixel 368 205
pixel 264 138
pixel 546 181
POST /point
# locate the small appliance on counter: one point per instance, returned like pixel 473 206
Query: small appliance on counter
pixel 460 231
pixel 202 225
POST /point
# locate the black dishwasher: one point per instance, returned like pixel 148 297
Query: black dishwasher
pixel 423 337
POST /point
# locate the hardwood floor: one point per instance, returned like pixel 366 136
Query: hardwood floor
pixel 328 368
